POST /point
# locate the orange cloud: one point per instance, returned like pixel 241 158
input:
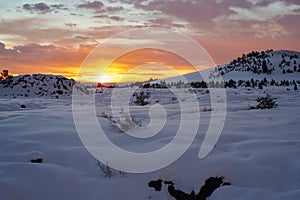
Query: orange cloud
pixel 48 59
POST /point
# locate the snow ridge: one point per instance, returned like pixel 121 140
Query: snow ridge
pixel 36 85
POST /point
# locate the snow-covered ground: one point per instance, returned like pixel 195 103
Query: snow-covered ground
pixel 258 151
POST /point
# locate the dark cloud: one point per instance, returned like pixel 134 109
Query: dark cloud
pixel 115 18
pixel 86 39
pixel 134 2
pixel 43 7
pixel 59 6
pixel 163 23
pixel 71 25
pixel 110 9
pixel 114 9
pixel 99 8
pixel 82 37
pixel 94 5
pixel 38 7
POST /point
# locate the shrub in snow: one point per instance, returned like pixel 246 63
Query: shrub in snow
pixel 140 98
pixel 124 121
pixel 109 172
pixel 38 160
pixel 106 170
pixel 265 103
pixel 207 109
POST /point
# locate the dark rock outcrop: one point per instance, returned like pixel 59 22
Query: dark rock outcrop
pixel 157 185
pixel 211 184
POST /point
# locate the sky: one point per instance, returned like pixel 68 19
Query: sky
pixel 55 37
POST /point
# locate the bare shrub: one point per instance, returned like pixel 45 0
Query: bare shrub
pixel 125 122
pixel 107 171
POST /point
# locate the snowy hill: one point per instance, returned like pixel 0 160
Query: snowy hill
pixel 37 85
pixel 255 69
pixel 273 63
pixel 257 153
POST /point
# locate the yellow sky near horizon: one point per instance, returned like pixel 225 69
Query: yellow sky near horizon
pixel 139 65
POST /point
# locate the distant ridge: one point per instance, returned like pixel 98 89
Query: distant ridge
pixel 37 85
pixel 274 68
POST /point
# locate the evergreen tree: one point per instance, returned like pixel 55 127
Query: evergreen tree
pixel 265 67
pixel 272 82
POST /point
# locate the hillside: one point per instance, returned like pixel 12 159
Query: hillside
pixel 255 69
pixel 37 85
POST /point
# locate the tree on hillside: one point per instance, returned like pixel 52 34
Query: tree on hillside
pixel 265 67
pixel 295 85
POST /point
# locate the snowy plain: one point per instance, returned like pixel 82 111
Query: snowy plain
pixel 258 151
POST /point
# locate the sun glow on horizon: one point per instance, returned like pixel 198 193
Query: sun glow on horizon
pixel 106 79
pixel 135 66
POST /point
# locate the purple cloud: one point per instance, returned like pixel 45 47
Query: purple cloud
pixel 82 37
pixel 43 7
pixel 94 5
pixel 271 11
pixel 110 9
pixel 38 7
pixel 164 23
pixel 59 6
pixel 116 18
pixel 71 25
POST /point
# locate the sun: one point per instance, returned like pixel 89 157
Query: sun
pixel 105 79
